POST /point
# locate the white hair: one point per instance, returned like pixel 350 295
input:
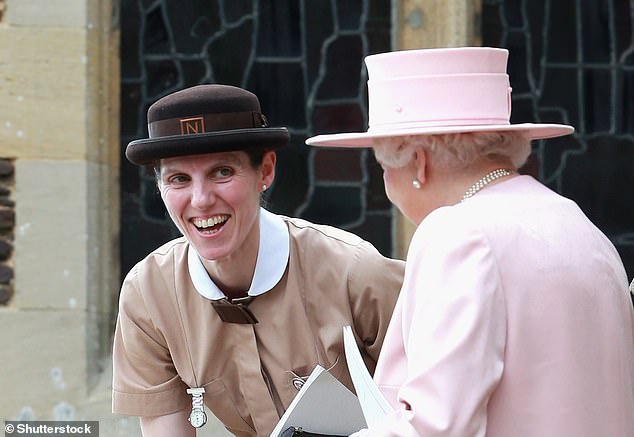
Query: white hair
pixel 457 150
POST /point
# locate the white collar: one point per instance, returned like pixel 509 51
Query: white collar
pixel 270 265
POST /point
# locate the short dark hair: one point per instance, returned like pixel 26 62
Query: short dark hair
pixel 256 155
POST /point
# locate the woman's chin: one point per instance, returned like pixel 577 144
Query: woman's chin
pixel 211 254
pixel 209 246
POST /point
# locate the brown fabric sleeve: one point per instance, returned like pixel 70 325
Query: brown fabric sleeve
pixel 374 284
pixel 145 381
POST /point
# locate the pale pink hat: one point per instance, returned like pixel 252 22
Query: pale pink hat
pixel 437 91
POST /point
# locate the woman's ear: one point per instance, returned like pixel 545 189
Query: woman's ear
pixel 421 162
pixel 267 169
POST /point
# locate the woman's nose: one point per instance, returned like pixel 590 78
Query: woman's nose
pixel 203 195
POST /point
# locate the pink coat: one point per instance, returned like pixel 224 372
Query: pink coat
pixel 514 321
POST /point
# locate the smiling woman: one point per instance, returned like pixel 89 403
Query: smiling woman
pixel 245 301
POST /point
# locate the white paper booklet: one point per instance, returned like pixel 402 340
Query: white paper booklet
pixel 324 406
pixel 373 403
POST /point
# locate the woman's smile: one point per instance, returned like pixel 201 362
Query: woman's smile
pixel 210 225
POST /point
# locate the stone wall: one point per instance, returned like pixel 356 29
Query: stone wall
pixel 59 160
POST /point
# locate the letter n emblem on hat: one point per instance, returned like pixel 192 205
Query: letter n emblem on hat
pixel 193 125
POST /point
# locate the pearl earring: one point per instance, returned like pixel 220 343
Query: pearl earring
pixel 264 187
pixel 416 184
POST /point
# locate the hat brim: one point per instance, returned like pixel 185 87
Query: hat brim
pixel 148 150
pixel 534 131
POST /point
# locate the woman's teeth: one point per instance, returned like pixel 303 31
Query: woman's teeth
pixel 210 222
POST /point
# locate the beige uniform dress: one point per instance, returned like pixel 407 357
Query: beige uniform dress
pixel 309 282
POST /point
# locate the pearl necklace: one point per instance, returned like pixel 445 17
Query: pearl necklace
pixel 484 181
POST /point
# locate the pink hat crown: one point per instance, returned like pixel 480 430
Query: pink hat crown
pixel 438 91
pixel 426 88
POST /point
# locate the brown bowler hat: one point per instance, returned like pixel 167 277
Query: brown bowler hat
pixel 204 119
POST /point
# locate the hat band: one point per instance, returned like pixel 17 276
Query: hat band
pixel 439 123
pixel 200 124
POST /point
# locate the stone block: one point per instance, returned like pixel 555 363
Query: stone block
pixel 7 218
pixel 6 292
pixel 430 23
pixel 51 240
pixel 6 249
pixel 43 93
pixel 46 13
pixel 6 168
pixel 43 363
pixel 6 274
pixel 65 253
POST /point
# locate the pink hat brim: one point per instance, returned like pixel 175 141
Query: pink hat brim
pixel 534 131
